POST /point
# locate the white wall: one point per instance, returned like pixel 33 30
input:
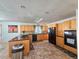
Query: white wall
pixel 8 36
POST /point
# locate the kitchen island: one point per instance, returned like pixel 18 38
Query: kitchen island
pixel 25 40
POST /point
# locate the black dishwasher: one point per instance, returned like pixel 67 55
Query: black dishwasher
pixel 34 37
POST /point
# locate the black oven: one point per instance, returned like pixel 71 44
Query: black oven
pixel 70 38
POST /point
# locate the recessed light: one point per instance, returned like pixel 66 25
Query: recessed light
pixel 47 12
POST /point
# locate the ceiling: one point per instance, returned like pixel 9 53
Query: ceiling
pixel 31 11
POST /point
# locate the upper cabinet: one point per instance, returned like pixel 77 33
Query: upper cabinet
pixel 26 28
pixel 60 29
pixel 67 25
pixel 73 24
pixel 70 25
pixel 22 28
pixel 45 28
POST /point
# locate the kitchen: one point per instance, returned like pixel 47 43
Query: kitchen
pixel 51 35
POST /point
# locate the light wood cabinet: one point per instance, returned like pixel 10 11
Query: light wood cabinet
pixel 60 41
pixel 70 25
pixel 45 28
pixel 27 28
pixel 26 44
pixel 67 25
pixel 39 37
pixel 30 28
pixel 73 24
pixel 26 47
pixel 42 37
pixel 45 36
pixel 60 29
pixel 22 28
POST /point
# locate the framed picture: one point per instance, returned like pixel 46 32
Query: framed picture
pixel 12 28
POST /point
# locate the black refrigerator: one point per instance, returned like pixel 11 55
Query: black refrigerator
pixel 52 35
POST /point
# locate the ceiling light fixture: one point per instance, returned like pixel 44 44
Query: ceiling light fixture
pixel 40 20
pixel 22 6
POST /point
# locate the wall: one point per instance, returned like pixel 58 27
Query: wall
pixel 8 36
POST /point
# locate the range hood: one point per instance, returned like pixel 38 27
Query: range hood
pixel 38 29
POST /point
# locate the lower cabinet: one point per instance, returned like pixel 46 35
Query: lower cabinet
pixel 42 37
pixel 39 37
pixel 60 41
pixel 45 36
pixel 73 50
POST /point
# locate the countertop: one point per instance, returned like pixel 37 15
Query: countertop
pixel 20 38
pixel 25 36
pixel 35 33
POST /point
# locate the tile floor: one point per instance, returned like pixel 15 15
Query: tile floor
pixel 42 50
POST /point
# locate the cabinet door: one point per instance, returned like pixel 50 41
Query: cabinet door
pixel 26 47
pixel 45 36
pixel 26 28
pixel 67 25
pixel 39 37
pixel 45 29
pixel 73 24
pixel 60 29
pixel 22 28
pixel 31 28
pixel 60 41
